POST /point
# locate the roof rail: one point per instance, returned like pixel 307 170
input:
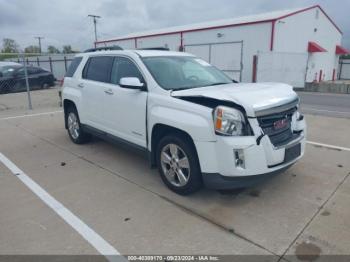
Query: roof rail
pixel 104 48
pixel 155 48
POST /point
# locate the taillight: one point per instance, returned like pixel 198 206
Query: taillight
pixel 61 82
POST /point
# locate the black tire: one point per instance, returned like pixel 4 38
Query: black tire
pixel 82 137
pixel 194 182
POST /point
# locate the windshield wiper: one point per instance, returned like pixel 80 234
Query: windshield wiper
pixel 220 83
pixel 183 88
pixel 192 87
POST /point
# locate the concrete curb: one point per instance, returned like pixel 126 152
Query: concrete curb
pixel 326 87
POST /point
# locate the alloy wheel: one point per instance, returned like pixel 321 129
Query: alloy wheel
pixel 73 125
pixel 175 165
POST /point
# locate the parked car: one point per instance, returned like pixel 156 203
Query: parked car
pixel 3 63
pixel 193 122
pixel 12 78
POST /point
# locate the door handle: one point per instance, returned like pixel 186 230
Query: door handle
pixel 109 92
pixel 81 85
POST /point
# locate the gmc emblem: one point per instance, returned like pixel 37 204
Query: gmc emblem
pixel 280 124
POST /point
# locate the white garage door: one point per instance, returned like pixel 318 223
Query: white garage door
pixel 289 68
pixel 344 69
pixel 225 56
pixel 201 51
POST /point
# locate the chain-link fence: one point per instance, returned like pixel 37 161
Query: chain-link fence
pixel 14 77
pixel 57 64
pixel 28 72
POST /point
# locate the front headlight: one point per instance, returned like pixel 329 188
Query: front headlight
pixel 229 121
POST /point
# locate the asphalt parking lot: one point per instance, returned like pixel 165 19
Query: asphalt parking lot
pixel 119 205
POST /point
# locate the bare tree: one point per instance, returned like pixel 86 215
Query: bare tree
pixel 67 49
pixel 52 50
pixel 9 46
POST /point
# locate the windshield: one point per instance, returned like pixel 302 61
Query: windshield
pixel 184 72
pixel 7 70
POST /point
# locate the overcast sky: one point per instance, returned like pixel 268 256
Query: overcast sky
pixel 64 22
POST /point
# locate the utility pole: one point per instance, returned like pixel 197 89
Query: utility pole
pixel 94 17
pixel 39 38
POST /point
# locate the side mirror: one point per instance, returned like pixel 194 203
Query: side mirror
pixel 132 83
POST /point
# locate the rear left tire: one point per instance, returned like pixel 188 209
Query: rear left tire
pixel 74 127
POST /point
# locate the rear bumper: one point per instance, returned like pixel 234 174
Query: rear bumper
pixel 218 181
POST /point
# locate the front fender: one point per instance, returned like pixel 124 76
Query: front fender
pixel 194 124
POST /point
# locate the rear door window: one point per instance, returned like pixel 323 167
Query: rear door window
pixel 73 66
pixel 98 69
pixel 33 70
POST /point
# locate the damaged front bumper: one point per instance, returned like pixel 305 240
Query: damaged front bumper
pixel 236 162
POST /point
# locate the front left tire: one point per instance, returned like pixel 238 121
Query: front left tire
pixel 178 164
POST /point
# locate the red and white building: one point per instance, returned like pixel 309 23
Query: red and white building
pixel 291 46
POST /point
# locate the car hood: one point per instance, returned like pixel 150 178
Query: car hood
pixel 256 98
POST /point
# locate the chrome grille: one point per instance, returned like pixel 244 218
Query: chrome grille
pixel 278 136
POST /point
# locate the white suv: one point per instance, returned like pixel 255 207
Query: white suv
pixel 193 122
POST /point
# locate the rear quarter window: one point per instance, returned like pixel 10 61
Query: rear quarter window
pixel 73 66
